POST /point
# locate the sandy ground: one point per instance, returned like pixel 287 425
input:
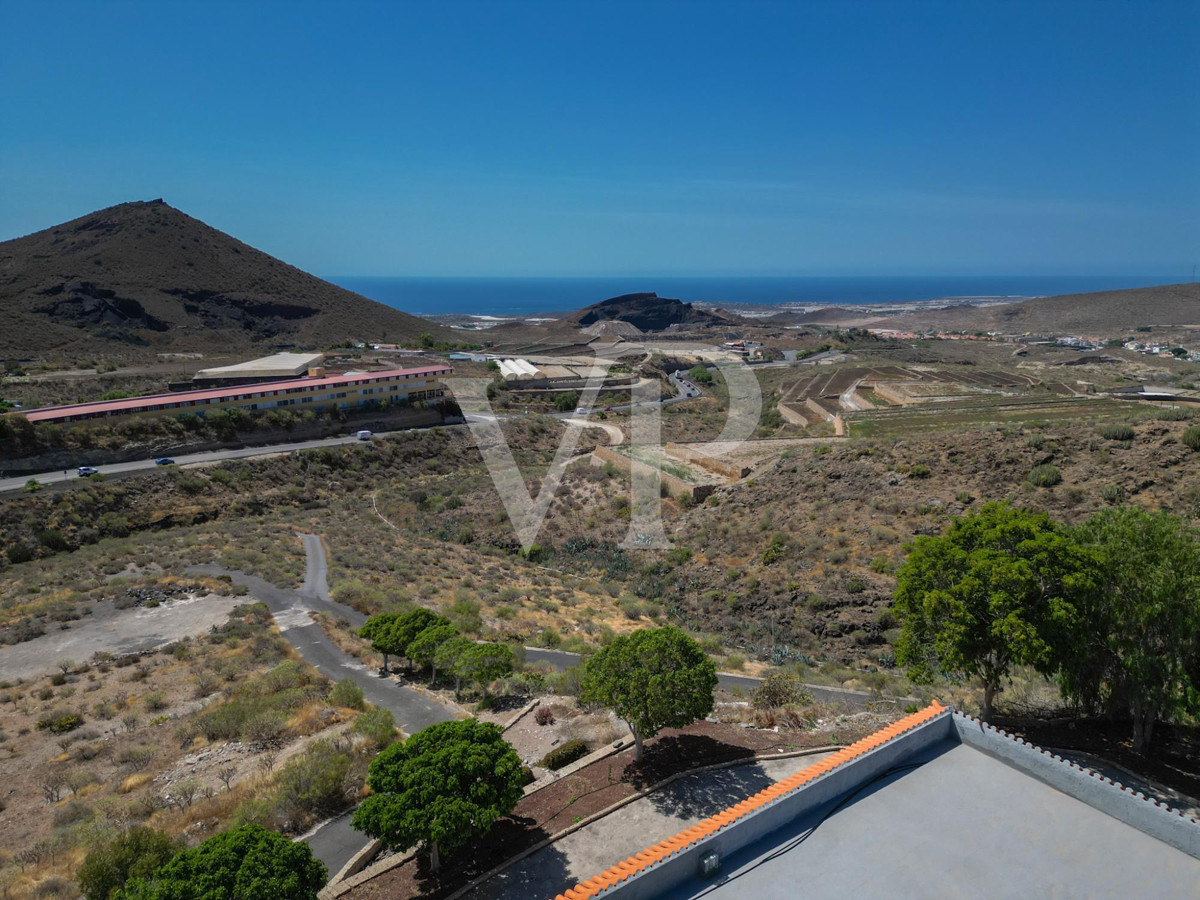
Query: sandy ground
pixel 115 631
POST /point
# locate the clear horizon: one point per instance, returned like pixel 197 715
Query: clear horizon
pixel 538 139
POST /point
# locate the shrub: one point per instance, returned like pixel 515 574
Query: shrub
pixel 920 470
pixel 1045 475
pixel 348 694
pixel 780 689
pixel 315 783
pixel 154 701
pixel 60 722
pixel 564 755
pixel 543 715
pixel 1115 431
pixel 1113 494
pixel 377 725
pixel 1191 438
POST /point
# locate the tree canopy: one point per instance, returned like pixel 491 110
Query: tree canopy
pixel 424 647
pixel 653 679
pixel 245 863
pixel 391 633
pixel 998 589
pixel 444 784
pixel 1137 648
pixel 135 853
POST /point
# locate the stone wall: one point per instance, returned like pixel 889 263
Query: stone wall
pixel 677 486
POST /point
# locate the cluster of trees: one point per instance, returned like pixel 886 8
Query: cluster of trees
pixel 1110 608
pixel 246 863
pixel 453 780
pixel 443 786
pixel 431 642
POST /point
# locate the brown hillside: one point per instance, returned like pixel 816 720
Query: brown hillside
pixel 145 274
pixel 1106 312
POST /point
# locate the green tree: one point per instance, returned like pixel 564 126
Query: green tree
pixel 653 679
pixel 446 783
pixel 1137 648
pixel 998 589
pixel 135 853
pixel 451 658
pixel 245 863
pixel 391 633
pixel 566 401
pixel 700 375
pixel 484 663
pixel 381 632
pixel 424 647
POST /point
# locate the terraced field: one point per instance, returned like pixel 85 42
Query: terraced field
pixel 864 392
pixel 979 411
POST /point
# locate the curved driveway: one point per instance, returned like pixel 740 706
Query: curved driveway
pixel 335 842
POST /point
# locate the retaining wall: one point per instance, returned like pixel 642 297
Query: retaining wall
pixel 712 464
pixel 677 486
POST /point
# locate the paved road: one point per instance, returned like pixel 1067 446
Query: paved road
pixel 17 484
pixel 8 485
pixel 335 842
pixel 562 659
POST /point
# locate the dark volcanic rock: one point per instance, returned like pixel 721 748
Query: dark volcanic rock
pixel 647 312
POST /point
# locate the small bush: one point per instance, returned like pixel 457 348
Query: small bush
pixel 348 694
pixel 154 701
pixel 60 722
pixel 1115 431
pixel 1045 475
pixel 543 716
pixel 1191 438
pixel 564 755
pixel 920 470
pixel 377 725
pixel 780 689
pixel 1113 494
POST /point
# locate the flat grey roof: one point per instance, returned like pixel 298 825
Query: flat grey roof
pixel 957 823
pixel 278 363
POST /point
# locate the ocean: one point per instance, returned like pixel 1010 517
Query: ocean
pixel 531 296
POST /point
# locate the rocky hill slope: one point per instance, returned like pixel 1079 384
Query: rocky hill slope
pixel 646 312
pixel 146 275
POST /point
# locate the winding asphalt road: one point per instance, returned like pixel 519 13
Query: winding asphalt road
pixel 335 842
pixel 562 659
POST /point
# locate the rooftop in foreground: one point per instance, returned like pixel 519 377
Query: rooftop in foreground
pixel 938 805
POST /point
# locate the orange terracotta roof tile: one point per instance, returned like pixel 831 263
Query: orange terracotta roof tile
pixel 660 851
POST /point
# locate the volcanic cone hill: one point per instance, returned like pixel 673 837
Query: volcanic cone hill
pixel 647 312
pixel 146 275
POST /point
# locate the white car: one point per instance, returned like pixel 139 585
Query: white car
pixel 363 435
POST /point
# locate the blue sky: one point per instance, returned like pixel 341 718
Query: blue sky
pixel 572 138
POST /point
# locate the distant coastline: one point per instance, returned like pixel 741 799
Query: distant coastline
pixel 505 298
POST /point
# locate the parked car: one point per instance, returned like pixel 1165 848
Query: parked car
pixel 85 471
pixel 164 461
pixel 581 411
pixel 363 435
